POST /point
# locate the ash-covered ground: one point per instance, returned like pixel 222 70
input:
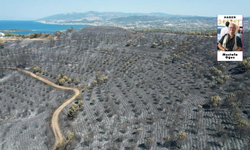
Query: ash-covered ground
pixel 140 90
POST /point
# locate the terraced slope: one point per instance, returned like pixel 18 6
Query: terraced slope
pixel 156 93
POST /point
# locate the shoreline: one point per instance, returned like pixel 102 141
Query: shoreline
pixel 34 26
pixel 87 24
pixel 55 23
pixel 14 30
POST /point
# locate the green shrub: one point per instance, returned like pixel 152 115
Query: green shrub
pixel 215 100
pixel 10 34
pixel 44 35
pixel 176 56
pixel 79 97
pixel 237 116
pixel 69 29
pixel 60 144
pixel 36 69
pixel 60 76
pixel 57 33
pixel 222 67
pixel 138 131
pixel 62 81
pixel 100 80
pixel 154 45
pixel 216 71
pixel 245 64
pixel 226 77
pixel 65 77
pixel 80 103
pixel 70 136
pixel 242 124
pixel 93 83
pixel 230 97
pixel 166 60
pixel 182 135
pixel 77 81
pixel 51 36
pixel 129 42
pixel 212 78
pixel 220 81
pixel 33 35
pixel 73 109
pixel 69 80
pixel 105 79
pixel 167 138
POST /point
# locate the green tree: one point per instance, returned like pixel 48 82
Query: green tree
pixel 242 126
pixel 73 110
pixel 62 81
pixel 215 100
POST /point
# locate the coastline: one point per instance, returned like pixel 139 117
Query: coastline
pixel 88 24
pixel 56 23
pixel 35 26
pixel 14 30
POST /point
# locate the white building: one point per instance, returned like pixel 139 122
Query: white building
pixel 2 35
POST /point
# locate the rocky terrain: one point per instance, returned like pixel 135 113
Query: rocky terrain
pixel 140 90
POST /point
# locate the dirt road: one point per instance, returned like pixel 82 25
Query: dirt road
pixel 54 121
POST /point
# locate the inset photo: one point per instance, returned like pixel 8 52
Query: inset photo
pixel 229 38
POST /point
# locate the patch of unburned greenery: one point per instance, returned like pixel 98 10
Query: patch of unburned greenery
pixel 215 100
pixel 245 64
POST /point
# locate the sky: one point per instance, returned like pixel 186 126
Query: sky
pixel 37 9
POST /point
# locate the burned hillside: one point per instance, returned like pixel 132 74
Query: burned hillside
pixel 140 90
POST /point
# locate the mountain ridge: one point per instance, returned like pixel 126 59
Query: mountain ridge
pixel 106 15
pixel 153 20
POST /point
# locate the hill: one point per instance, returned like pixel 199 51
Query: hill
pixel 94 15
pixel 139 90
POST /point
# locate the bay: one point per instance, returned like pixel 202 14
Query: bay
pixel 34 27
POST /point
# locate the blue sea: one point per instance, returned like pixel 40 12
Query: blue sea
pixel 34 27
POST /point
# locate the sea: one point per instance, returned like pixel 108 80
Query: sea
pixel 34 26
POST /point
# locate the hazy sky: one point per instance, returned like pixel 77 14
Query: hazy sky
pixel 36 9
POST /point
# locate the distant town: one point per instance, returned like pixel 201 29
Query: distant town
pixel 138 21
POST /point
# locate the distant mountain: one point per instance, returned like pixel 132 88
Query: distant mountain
pixel 154 20
pixel 90 15
pixel 94 15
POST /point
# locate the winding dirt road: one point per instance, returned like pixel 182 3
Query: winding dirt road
pixel 54 122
